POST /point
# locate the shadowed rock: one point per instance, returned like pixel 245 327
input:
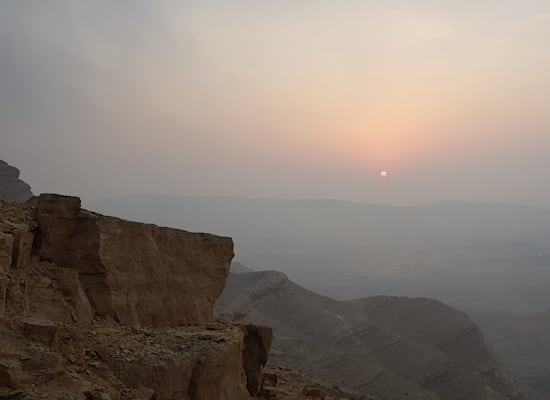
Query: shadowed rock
pixel 12 189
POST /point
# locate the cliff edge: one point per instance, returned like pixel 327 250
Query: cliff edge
pixel 95 307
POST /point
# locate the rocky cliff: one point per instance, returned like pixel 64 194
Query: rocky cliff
pixel 11 187
pixel 94 307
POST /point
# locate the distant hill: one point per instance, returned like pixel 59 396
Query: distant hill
pixel 450 251
pixel 12 189
pixel 390 347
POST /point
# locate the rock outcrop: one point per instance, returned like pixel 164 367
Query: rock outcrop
pixel 94 307
pixel 137 274
pixel 12 189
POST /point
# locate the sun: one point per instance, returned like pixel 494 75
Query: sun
pixel 384 174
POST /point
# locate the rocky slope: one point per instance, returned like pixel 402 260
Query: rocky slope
pixel 95 308
pixel 11 187
pixel 394 348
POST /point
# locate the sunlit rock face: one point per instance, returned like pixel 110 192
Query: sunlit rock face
pixel 134 273
pixel 12 189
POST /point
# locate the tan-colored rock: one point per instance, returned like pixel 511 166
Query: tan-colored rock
pixel 4 285
pixel 137 274
pixel 202 364
pixel 57 219
pixel 313 393
pixel 97 395
pixel 39 330
pixel 36 359
pixel 8 374
pixel 93 307
pixel 269 379
pixel 6 251
pixel 72 307
pixel 257 341
pixel 22 249
pixel 143 393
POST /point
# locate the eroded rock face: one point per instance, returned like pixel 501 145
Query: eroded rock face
pixel 6 251
pixel 12 189
pixel 138 274
pixel 94 307
pixel 257 341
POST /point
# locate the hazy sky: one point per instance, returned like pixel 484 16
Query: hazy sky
pixel 279 98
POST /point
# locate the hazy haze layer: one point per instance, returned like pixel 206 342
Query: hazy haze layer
pixel 475 256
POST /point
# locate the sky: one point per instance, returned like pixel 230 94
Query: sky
pixel 291 99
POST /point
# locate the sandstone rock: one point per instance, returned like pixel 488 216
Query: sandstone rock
pixel 12 395
pixel 97 395
pixel 22 249
pixel 314 393
pixel 4 285
pixel 6 251
pixel 257 340
pixel 41 331
pixel 8 374
pixel 72 307
pixel 94 307
pixel 138 274
pixel 187 361
pixel 144 393
pixel 16 299
pixel 269 379
pixel 38 360
pixel 57 218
